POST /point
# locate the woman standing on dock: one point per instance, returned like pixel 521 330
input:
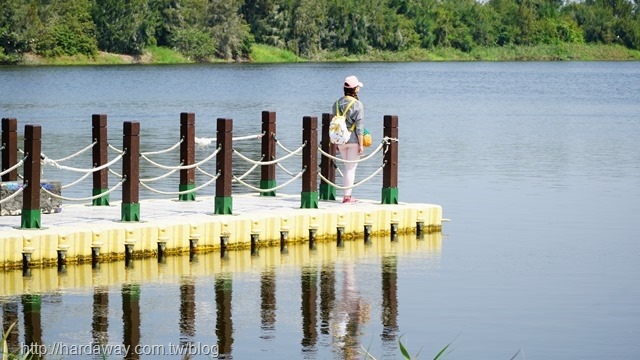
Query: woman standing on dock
pixel 352 150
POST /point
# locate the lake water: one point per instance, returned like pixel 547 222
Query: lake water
pixel 537 165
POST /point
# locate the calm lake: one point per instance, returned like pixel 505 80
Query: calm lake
pixel 537 165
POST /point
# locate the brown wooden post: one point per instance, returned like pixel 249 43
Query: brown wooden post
pixel 9 148
pixel 309 195
pixel 224 139
pixel 390 171
pixel 187 155
pixel 100 152
pixel 268 172
pixel 327 165
pixel 130 209
pixel 31 213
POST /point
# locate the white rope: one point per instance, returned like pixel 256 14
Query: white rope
pixel 74 155
pixel 206 173
pixel 160 177
pixel 354 185
pixel 163 151
pixel 337 159
pixel 77 181
pixel 17 165
pixel 178 192
pixel 285 170
pixel 18 192
pixel 273 188
pixel 86 198
pixel 182 167
pixel 248 171
pixel 205 142
pixel 283 147
pixel 48 161
pixel 113 172
pixel 268 162
pixel 115 149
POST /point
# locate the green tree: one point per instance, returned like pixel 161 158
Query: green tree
pixel 229 30
pixel 67 29
pixel 122 26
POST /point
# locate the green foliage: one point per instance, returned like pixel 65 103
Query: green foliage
pixel 210 30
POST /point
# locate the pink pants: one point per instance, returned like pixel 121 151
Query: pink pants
pixel 349 152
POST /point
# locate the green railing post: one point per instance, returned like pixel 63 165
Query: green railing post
pixel 224 139
pixel 309 195
pixel 390 171
pixel 268 172
pixel 130 209
pixel 31 213
pixel 187 155
pixel 100 157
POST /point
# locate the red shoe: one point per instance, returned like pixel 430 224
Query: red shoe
pixel 348 199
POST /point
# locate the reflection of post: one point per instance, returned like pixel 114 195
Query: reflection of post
pixel 187 311
pixel 10 316
pixel 31 305
pixel 268 303
pixel 224 327
pixel 389 298
pixel 131 318
pixel 100 321
pixel 309 307
pixel 327 296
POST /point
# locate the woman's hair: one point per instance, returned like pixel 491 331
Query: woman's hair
pixel 351 92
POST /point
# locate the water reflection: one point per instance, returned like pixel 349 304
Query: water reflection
pixel 224 326
pixel 131 319
pixel 99 322
pixel 309 287
pixel 268 303
pixel 335 304
pixel 10 316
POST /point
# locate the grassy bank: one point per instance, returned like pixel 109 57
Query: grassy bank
pixel 269 54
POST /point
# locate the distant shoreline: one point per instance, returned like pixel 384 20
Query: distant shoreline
pixel 266 54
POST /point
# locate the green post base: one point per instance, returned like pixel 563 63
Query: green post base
pixel 102 200
pixel 309 200
pixel 130 212
pixel 31 219
pixel 267 184
pixel 389 195
pixel 327 191
pixel 223 205
pixel 188 196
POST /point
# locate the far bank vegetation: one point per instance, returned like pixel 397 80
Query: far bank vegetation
pixel 202 31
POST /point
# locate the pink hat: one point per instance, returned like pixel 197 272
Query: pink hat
pixel 352 82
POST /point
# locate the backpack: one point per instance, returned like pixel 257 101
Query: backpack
pixel 338 132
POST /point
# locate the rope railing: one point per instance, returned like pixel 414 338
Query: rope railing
pixel 206 142
pixel 162 151
pixel 84 198
pixel 17 165
pixel 272 162
pixel 356 184
pixel 180 167
pixel 247 172
pixel 48 161
pixel 179 192
pixel 273 188
pixel 363 159
pixel 16 193
pixel 279 143
pixel 81 151
pixel 167 174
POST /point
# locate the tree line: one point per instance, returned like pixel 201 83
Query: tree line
pixel 204 30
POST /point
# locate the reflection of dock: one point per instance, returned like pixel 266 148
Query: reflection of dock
pixel 115 287
pixel 83 233
pixel 173 268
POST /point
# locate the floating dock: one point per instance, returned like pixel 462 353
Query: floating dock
pixel 87 233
